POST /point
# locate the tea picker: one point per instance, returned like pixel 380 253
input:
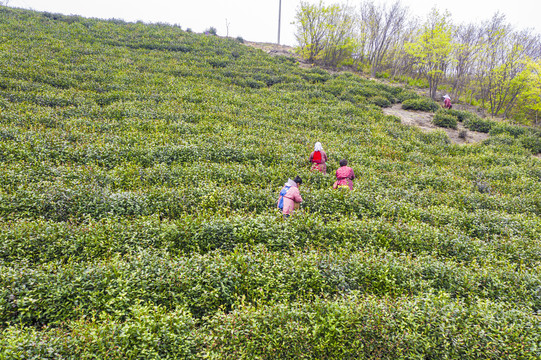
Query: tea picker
pixel 290 196
pixel 318 159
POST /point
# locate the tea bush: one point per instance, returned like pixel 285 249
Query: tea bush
pixel 380 101
pixel 460 115
pixel 443 119
pixel 475 123
pixel 357 326
pixel 532 143
pixel 421 104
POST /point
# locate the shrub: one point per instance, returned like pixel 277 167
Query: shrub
pixel 503 128
pixel 531 142
pixel 394 118
pixel 404 95
pixel 459 114
pixel 422 104
pixel 434 327
pixel 500 139
pixel 379 101
pixel 475 123
pixel 419 83
pixel 211 31
pixel 444 119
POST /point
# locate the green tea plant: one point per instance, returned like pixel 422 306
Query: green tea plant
pixel 421 104
pixel 475 123
pixel 444 119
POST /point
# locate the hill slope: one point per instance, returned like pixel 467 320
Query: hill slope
pixel 139 169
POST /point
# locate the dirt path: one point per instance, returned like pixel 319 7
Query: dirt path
pixel 423 120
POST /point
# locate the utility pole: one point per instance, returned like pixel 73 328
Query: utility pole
pixel 279 19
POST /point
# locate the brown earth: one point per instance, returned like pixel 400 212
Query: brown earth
pixel 272 49
pixel 423 120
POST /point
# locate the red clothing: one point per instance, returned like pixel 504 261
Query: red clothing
pixel 344 176
pixel 319 165
pixel 447 103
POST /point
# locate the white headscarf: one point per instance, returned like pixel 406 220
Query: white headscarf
pixel 446 97
pixel 318 147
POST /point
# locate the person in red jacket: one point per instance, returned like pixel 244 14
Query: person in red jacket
pixel 318 159
pixel 344 176
pixel 447 102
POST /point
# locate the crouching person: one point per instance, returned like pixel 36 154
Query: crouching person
pixel 344 176
pixel 290 196
pixel 318 159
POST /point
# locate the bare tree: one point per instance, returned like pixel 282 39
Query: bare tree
pixel 397 59
pixel 493 42
pixel 339 40
pixel 380 27
pixel 499 68
pixel 467 49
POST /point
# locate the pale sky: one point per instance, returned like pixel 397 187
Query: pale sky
pixel 257 20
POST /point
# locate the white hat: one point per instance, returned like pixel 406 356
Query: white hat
pixel 446 97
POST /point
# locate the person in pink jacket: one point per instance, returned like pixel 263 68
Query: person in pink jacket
pixel 290 196
pixel 318 159
pixel 447 102
pixel 344 176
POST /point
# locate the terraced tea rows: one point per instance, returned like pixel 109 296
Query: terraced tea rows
pixel 139 170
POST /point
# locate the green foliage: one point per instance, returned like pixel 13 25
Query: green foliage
pixel 432 49
pixel 211 31
pixel 379 101
pixel 445 119
pixel 460 115
pixel 326 34
pixel 363 327
pixel 504 128
pixel 532 143
pixel 404 95
pixel 475 123
pixel 418 83
pixel 422 104
pixel 382 75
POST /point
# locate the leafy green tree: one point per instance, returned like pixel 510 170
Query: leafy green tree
pixel 530 99
pixel 500 77
pixel 311 29
pixel 325 34
pixel 432 51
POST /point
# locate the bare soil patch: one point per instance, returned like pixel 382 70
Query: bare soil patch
pixel 273 49
pixel 423 120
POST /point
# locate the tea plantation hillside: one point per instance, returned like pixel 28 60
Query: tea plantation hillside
pixel 139 170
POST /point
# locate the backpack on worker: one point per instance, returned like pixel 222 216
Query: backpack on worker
pixel 283 192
